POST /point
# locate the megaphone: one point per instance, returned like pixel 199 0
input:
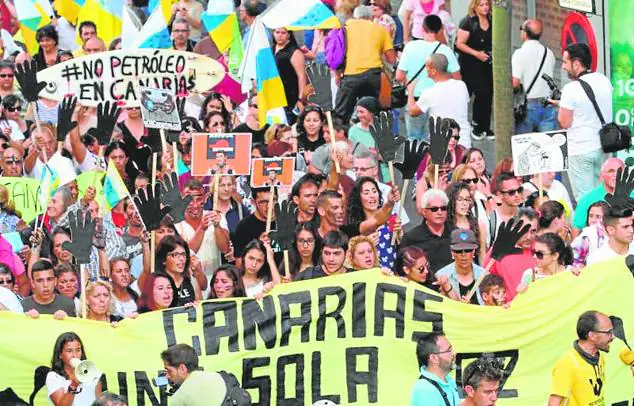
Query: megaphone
pixel 85 371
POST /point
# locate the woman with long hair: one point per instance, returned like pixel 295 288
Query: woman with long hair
pixel 475 158
pixel 63 387
pixel 552 219
pixel 305 252
pixel 474 46
pixel 157 293
pixel 254 273
pixel 362 253
pixel 593 234
pixel 455 151
pixel 48 53
pixel 310 134
pixel 99 302
pixel 173 258
pixel 124 298
pixel 290 64
pixel 467 173
pixel 552 256
pixel 10 119
pixel 216 122
pixel 133 137
pixel 460 215
pixel 67 285
pixel 119 153
pixel 226 283
pixel 367 214
pixel 10 218
pixel 413 265
pixel 218 103
pixel 279 132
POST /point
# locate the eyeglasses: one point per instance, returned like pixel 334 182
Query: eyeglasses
pixel 540 254
pixel 465 251
pixel 6 75
pixel 180 31
pixel 471 180
pixel 435 209
pixel 423 268
pixel 255 106
pixel 608 332
pixel 6 281
pixel 217 123
pixel 175 255
pixel 512 192
pixel 305 241
pixel 13 161
pixel 464 200
pixel 360 169
pixel 448 350
pixel 12 109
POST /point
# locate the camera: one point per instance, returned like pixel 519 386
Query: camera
pixel 161 380
pixel 555 93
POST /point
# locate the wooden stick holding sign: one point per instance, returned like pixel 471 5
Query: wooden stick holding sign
pixel 83 269
pixel 269 211
pixel 540 187
pixel 331 129
pixel 153 233
pixel 505 242
pixel 271 173
pixel 382 130
pixel 285 221
pixel 439 136
pixel 413 154
pixel 216 188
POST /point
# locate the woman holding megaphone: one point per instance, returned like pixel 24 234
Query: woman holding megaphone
pixel 71 383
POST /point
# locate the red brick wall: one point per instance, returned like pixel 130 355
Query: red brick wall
pixel 549 12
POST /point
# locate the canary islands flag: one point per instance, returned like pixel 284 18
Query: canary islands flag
pixel 300 15
pixel 69 9
pixel 49 182
pixel 221 22
pixel 106 14
pixel 154 33
pixel 114 190
pixel 32 14
pixel 259 64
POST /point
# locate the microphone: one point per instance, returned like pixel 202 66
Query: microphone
pixel 627 357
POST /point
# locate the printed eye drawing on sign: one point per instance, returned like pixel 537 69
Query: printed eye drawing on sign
pixel 228 154
pixel 158 108
pixel 272 172
pixel 540 152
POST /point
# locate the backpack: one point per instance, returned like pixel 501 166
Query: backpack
pixel 236 395
pixel 335 48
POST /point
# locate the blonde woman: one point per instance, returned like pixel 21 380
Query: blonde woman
pixel 9 217
pixel 278 132
pixel 99 302
pixel 362 253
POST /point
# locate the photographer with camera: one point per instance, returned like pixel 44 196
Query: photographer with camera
pixel 529 62
pixel 191 386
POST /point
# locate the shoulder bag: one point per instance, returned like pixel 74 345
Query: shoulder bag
pixel 399 92
pixel 613 137
pixel 435 385
pixel 520 102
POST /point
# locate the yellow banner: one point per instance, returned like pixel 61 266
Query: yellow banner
pixel 23 192
pixel 348 338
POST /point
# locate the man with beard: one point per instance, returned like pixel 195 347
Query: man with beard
pixel 229 206
pixel 304 194
pixel 206 232
pixel 436 360
pixel 578 115
pixel 332 258
pixel 579 376
pixel 482 381
pixel 331 212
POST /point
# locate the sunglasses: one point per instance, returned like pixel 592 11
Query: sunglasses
pixel 218 123
pixel 471 180
pixel 512 192
pixel 540 254
pixel 456 137
pixel 6 75
pixel 465 251
pixel 435 209
pixel 13 161
pixel 12 109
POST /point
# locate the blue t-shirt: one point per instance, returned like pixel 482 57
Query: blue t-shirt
pixel 414 57
pixel 425 394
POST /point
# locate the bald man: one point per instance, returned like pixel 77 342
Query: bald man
pixel 94 45
pixel 529 62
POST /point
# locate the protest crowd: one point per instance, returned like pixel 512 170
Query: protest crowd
pixel 245 193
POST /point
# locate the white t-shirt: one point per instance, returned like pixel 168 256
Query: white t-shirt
pixel 208 253
pixel 91 162
pixel 67 35
pixel 449 99
pixel 62 165
pixel 583 135
pixel 605 252
pixel 525 63
pixel 54 382
pixel 557 192
pixel 16 133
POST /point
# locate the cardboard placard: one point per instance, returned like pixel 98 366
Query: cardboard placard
pixel 268 172
pixel 158 108
pixel 228 154
pixel 540 152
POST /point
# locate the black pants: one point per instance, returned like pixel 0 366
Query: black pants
pixel 479 81
pixel 353 87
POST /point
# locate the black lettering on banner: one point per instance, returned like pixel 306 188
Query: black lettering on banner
pixel 514 356
pixel 99 91
pixel 113 87
pixel 122 379
pixel 380 313
pixel 89 72
pixel 355 377
pixel 358 310
pixel 114 63
pixel 420 314
pixel 263 317
pixel 622 403
pixel 129 92
pixel 282 363
pixel 261 383
pixel 214 333
pixel 302 298
pixel 168 326
pixel 340 294
pixel 315 371
pixel 143 387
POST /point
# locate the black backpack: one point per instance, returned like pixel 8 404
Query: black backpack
pixel 236 395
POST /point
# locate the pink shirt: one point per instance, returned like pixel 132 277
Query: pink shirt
pixel 10 259
pixel 510 269
pixel 421 9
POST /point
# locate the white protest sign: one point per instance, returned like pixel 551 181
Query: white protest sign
pixel 117 75
pixel 540 152
pixel 158 108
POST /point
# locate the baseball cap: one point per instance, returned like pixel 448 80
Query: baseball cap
pixel 462 239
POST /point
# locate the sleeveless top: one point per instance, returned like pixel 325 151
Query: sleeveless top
pixel 287 72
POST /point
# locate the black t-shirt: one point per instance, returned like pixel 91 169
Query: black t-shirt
pixel 303 143
pixel 436 247
pixel 464 291
pixel 314 272
pixel 184 294
pixel 256 135
pixel 250 228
